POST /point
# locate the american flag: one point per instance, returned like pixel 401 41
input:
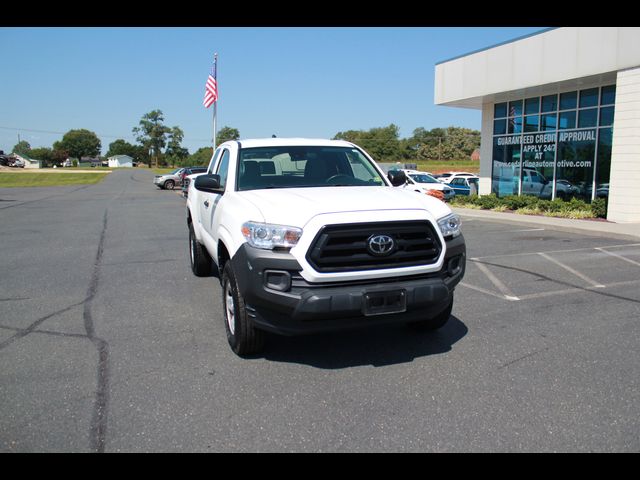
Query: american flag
pixel 211 88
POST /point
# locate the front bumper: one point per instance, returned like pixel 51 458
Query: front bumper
pixel 279 300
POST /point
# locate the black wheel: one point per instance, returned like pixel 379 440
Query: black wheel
pixel 198 255
pixel 243 337
pixel 169 184
pixel 436 322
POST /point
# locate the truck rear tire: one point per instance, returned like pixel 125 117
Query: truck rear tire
pixel 243 337
pixel 198 255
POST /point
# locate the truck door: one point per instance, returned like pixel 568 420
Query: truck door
pixel 209 202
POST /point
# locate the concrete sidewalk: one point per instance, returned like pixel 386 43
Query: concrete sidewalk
pixel 625 231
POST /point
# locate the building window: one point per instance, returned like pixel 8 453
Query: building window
pixel 608 96
pixel 550 103
pixel 567 120
pixel 606 116
pixel 500 110
pixel 532 105
pixel 568 100
pixel 589 98
pixel 515 108
pixel 500 126
pixel 588 118
pixel 555 145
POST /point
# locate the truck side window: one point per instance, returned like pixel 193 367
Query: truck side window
pixel 223 169
pixel 212 162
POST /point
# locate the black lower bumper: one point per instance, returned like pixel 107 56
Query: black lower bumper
pixel 279 300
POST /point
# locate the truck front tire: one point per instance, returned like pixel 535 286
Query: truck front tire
pixel 242 336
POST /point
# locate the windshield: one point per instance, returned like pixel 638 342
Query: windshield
pixel 423 178
pixel 304 166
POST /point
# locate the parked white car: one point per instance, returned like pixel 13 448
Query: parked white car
pixel 423 182
pixel 446 177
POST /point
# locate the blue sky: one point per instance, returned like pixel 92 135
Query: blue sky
pixel 288 81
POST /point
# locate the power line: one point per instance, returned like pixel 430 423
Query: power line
pixel 129 137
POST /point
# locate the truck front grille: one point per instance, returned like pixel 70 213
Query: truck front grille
pixel 340 248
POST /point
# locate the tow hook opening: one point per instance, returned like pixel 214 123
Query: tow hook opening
pixel 279 280
pixel 454 265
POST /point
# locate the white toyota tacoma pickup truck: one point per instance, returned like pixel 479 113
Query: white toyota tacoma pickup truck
pixel 310 236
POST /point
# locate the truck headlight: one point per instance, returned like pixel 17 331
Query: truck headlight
pixel 450 225
pixel 269 236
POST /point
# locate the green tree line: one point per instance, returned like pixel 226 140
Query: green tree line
pixel 161 145
pixel 385 145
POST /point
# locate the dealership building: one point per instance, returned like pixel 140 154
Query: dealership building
pixel 560 114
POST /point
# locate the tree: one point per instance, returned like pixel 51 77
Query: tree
pixel 451 143
pixel 383 143
pixel 44 154
pixel 175 152
pixel 122 147
pixel 227 133
pixel 202 156
pixel 152 133
pixel 79 143
pixel 22 148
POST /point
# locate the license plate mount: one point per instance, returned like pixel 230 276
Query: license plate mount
pixel 384 303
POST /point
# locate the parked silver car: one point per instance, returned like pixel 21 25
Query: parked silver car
pixel 168 181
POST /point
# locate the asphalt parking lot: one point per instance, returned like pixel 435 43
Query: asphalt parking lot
pixel 108 343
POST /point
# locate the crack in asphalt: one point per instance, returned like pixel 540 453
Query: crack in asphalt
pixel 26 202
pixel 98 427
pixel 23 332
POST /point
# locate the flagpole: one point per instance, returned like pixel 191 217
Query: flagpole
pixel 215 104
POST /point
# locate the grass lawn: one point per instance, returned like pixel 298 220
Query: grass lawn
pixel 48 179
pixel 450 166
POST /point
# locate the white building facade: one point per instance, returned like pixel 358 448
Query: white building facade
pixel 117 161
pixel 560 114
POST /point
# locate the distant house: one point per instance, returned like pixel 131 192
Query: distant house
pixel 90 162
pixel 28 162
pixel 120 161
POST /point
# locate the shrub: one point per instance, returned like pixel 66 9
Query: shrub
pixel 487 202
pixel 599 207
pixel 532 205
pixel 515 202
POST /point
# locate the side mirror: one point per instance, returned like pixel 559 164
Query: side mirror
pixel 397 177
pixel 208 183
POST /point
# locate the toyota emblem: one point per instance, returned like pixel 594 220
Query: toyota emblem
pixel 380 245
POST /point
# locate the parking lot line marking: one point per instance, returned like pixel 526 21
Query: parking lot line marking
pixel 628 260
pixel 592 282
pixel 508 294
pixel 530 296
pixel 519 254
pixel 482 290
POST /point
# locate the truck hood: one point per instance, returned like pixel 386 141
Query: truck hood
pixel 297 206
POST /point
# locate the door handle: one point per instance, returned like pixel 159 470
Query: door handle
pixel 206 203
